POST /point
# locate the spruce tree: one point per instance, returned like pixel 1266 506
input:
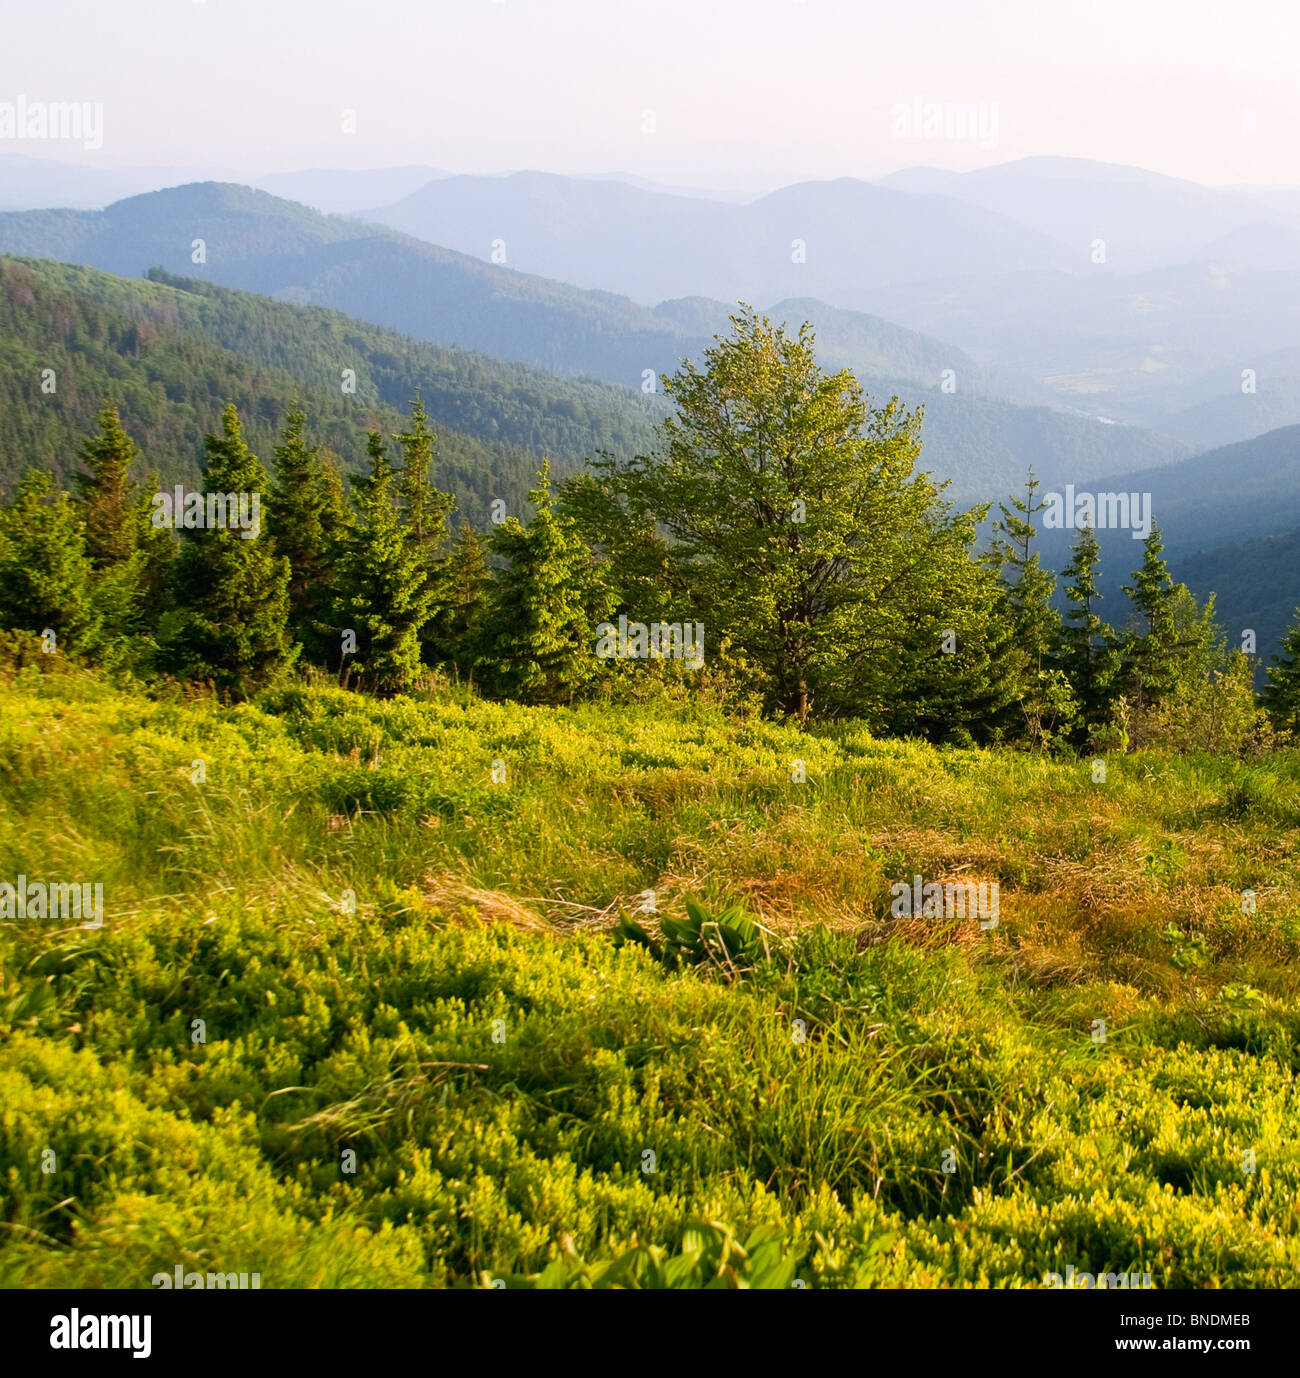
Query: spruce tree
pixel 109 501
pixel 231 621
pixel 425 507
pixel 547 600
pixel 1149 650
pixel 131 557
pixel 1088 653
pixel 454 633
pixel 46 573
pixel 427 511
pixel 384 597
pixel 1281 694
pixel 1042 699
pixel 306 518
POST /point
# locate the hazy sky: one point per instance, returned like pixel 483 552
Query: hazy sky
pixel 744 93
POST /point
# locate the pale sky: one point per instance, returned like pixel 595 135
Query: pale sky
pixel 744 93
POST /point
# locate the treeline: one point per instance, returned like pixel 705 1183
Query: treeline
pixel 780 511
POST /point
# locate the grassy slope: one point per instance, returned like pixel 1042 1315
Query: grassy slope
pixel 373 1031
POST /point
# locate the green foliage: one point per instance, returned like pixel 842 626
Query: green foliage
pixel 231 622
pixel 709 1257
pixel 454 636
pixel 1185 952
pixel 870 606
pixel 307 518
pixel 1149 651
pixel 131 583
pixel 516 1150
pixel 1281 694
pixel 426 512
pixel 547 599
pixel 724 940
pixel 799 530
pixel 173 350
pixel 384 595
pixel 111 507
pixel 45 568
pixel 1044 698
pixel 1088 654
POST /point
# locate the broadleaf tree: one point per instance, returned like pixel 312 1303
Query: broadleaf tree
pixel 796 525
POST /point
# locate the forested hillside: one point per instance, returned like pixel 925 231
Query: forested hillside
pixel 174 352
pixel 1256 584
pixel 1227 518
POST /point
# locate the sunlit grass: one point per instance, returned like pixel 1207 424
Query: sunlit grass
pixel 397 958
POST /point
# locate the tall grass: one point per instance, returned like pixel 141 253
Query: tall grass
pixel 427 1061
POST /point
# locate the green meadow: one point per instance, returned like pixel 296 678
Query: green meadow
pixel 369 1006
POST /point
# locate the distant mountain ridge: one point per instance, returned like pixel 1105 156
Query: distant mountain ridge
pixel 1147 219
pixel 256 242
pixel 1102 290
pixel 813 239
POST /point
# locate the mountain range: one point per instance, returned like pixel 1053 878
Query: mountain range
pixel 256 242
pixel 1100 290
pixel 1174 371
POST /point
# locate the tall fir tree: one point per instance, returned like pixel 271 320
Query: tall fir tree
pixel 230 625
pixel 384 598
pixel 109 501
pixel 46 573
pixel 307 519
pixel 1041 694
pixel 1149 650
pixel 455 632
pixel 540 637
pixel 427 511
pixel 1088 654
pixel 1281 693
pixel 132 557
pixel 426 508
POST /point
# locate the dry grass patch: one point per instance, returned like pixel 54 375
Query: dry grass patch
pixel 454 893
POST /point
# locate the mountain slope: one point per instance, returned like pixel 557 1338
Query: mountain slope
pixel 1256 582
pixel 1234 493
pixel 172 355
pixel 1228 519
pixel 346 191
pixel 263 244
